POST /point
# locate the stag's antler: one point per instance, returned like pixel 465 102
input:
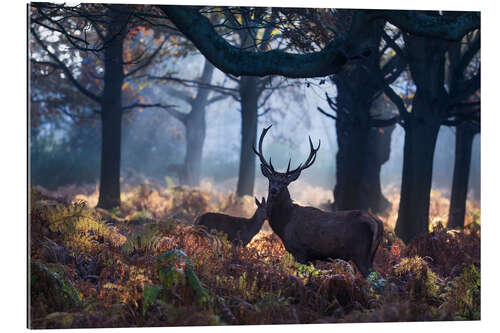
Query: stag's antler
pixel 310 160
pixel 260 154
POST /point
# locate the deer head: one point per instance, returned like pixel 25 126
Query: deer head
pixel 261 212
pixel 237 228
pixel 279 181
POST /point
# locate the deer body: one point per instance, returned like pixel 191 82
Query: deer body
pixel 311 234
pixel 237 228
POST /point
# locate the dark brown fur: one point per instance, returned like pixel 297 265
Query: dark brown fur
pixel 311 234
pixel 237 228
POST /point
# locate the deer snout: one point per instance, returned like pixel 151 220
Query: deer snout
pixel 273 191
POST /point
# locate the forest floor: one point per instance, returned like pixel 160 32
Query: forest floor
pixel 146 264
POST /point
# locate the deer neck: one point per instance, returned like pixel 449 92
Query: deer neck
pixel 255 223
pixel 280 212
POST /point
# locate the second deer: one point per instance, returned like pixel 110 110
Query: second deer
pixel 311 234
pixel 237 228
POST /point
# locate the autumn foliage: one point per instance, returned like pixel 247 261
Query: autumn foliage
pixel 146 264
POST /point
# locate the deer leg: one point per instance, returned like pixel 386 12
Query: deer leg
pixel 300 258
pixel 363 267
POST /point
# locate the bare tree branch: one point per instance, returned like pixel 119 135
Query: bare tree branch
pixel 389 92
pixel 146 62
pixel 196 83
pixel 65 111
pixel 73 40
pixel 326 113
pixel 261 84
pixel 393 69
pixel 217 98
pixel 420 24
pixel 266 110
pixel 66 70
pixel 144 105
pixel 376 122
pixel 473 117
pixel 469 54
pixel 169 108
pixel 393 45
pixel 467 88
pixel 336 107
pixel 180 94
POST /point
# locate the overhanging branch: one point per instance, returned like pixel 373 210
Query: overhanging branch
pixel 330 60
pixel 438 26
pixel 201 32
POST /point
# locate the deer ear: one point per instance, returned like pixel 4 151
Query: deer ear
pixel 265 171
pixel 263 202
pixel 293 177
pixel 257 202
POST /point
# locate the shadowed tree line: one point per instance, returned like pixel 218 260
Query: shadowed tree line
pixel 364 59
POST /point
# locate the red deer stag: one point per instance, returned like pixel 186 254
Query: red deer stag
pixel 312 234
pixel 237 228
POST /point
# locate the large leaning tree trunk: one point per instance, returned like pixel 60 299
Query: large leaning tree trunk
pixel 362 146
pixel 111 113
pixel 426 58
pixel 249 99
pixel 463 149
pixel 196 131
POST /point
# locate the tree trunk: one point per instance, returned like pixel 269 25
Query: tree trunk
pixel 195 132
pixel 249 98
pixel 420 142
pixel 352 142
pixel 463 150
pixel 377 153
pixel 109 189
pixel 195 138
pixel 426 59
pixel 111 115
pixel 362 151
pixel 358 162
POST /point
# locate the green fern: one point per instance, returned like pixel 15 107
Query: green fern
pixel 422 282
pixel 166 267
pixel 170 275
pixel 144 240
pixel 149 296
pixel 464 292
pixel 79 227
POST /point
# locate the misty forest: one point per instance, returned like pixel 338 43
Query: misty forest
pixel 250 165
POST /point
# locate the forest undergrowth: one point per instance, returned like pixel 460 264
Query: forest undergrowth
pixel 146 264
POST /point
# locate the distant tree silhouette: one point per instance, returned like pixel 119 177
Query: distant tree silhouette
pixel 111 26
